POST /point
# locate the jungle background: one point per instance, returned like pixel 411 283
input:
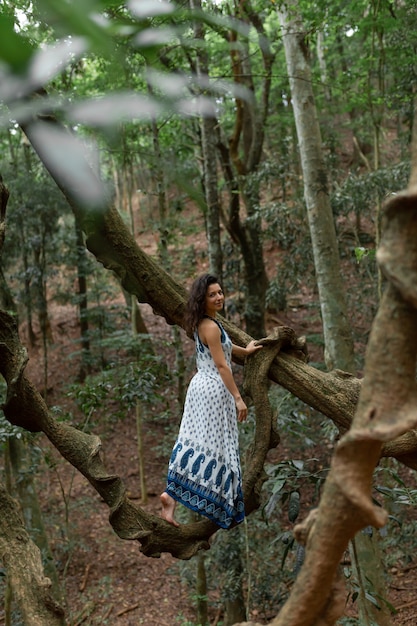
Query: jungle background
pixel 188 113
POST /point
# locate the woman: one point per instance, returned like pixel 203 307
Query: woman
pixel 204 470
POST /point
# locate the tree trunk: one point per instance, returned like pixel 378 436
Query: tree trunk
pixel 208 148
pixel 19 458
pixel 247 234
pixel 201 590
pixel 339 352
pixel 82 303
pixel 336 328
pixel 240 157
pixel 23 562
pixel 6 298
pixel 27 283
pixel 234 603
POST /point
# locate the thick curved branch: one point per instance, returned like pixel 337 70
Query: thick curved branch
pixel 387 408
pixel 256 385
pixel 26 408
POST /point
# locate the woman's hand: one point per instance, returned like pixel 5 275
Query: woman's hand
pixel 252 347
pixel 242 410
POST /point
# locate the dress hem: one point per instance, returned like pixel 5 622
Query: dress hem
pixel 219 513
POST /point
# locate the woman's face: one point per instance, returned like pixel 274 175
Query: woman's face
pixel 214 299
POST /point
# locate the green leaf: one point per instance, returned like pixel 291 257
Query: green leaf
pixel 15 50
pixel 360 253
pixel 82 18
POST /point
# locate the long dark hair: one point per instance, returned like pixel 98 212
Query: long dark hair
pixel 196 305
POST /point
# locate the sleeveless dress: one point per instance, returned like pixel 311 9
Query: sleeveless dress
pixel 204 471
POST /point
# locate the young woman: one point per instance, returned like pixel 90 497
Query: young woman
pixel 204 471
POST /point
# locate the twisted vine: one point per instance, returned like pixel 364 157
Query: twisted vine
pixel 256 385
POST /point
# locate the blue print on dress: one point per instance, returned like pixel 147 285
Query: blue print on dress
pixel 220 475
pixel 188 454
pixel 175 451
pixel 196 465
pixel 209 469
pixel 228 483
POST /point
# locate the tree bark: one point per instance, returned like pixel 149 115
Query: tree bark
pixel 386 409
pixel 23 562
pixel 209 158
pixel 25 487
pixel 336 328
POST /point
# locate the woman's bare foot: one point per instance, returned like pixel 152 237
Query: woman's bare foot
pixel 168 508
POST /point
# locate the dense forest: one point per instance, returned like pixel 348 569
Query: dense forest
pixel 274 145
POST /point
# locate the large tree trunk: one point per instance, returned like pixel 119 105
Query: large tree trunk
pixel 23 562
pixel 337 331
pixel 24 485
pixel 240 157
pixel 208 148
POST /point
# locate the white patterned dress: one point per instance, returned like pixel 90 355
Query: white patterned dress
pixel 204 471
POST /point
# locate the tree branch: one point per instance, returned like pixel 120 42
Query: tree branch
pixel 387 409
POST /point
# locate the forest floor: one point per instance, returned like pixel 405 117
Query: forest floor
pixel 107 579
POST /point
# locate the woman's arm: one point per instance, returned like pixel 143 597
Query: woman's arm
pixel 210 335
pixel 242 352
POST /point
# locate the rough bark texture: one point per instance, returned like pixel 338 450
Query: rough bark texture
pixel 256 384
pixel 23 561
pixel 336 327
pixel 387 409
pixel 209 159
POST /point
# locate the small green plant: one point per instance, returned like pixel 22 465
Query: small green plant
pixel 276 296
pixel 294 419
pixel 362 253
pixel 287 478
pixel 133 373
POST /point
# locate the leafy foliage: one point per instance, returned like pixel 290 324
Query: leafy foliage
pixel 132 374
